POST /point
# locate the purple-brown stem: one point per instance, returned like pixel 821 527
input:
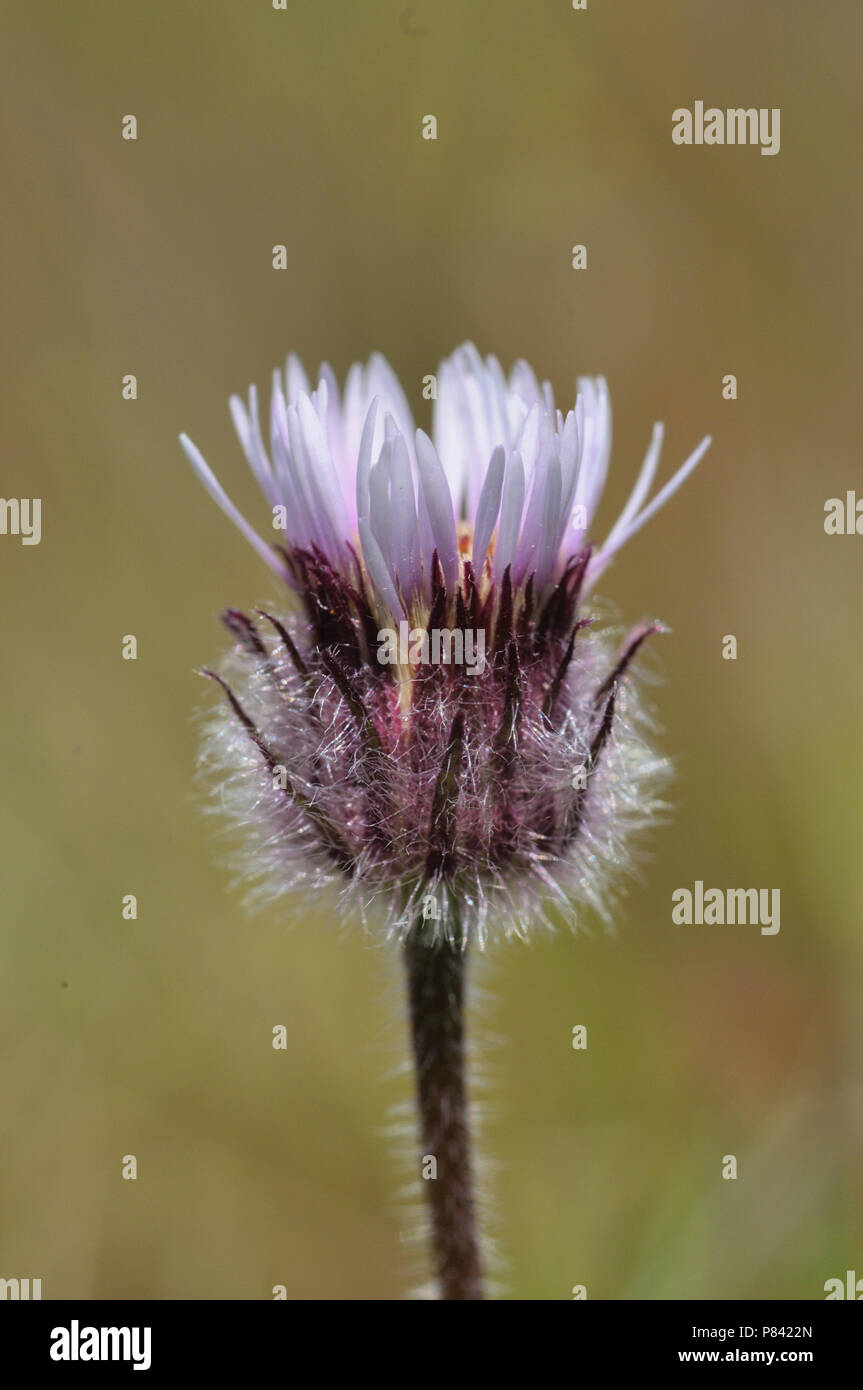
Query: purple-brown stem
pixel 436 980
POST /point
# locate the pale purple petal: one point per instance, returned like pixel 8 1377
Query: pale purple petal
pixel 643 484
pixel 250 439
pixel 511 506
pixel 547 549
pixel 596 444
pixel 218 494
pixel 404 522
pixel 296 381
pixel 380 518
pixel 601 560
pixel 669 490
pixel 531 531
pixel 323 480
pixel 383 382
pixel 364 461
pixel 488 508
pixel 378 570
pixel 300 530
pixel 438 500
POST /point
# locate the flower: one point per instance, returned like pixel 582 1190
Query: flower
pixel 469 794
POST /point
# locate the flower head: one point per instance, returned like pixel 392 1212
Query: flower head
pixel 431 725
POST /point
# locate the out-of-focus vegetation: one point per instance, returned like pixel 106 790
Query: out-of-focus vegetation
pixel 153 1037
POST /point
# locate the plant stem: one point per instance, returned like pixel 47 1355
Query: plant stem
pixel 436 980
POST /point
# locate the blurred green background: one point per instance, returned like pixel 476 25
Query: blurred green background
pixel 153 1037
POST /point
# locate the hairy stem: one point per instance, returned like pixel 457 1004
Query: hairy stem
pixel 436 989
